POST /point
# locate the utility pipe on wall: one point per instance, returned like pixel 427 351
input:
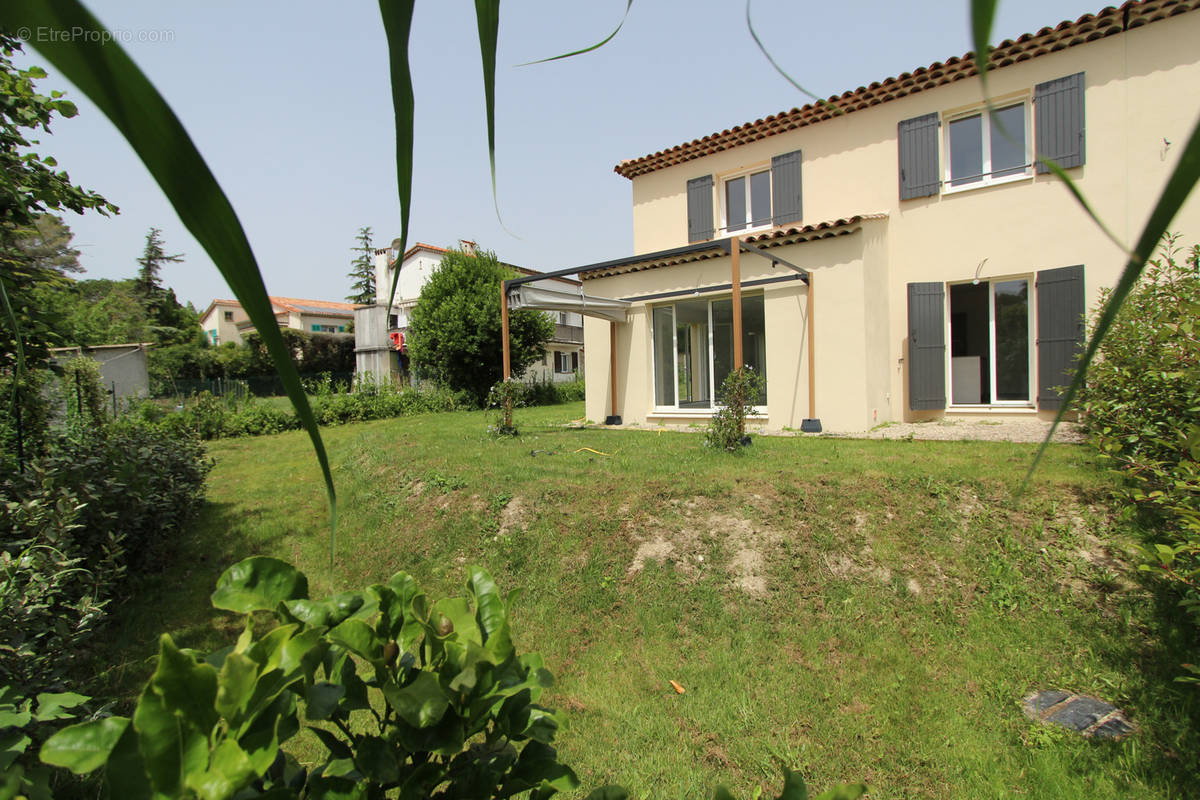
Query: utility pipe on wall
pixel 735 267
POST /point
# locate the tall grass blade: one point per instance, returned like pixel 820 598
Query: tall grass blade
pixel 596 46
pixel 94 61
pixel 397 25
pixel 779 69
pixel 1183 179
pixel 487 19
pixel 983 16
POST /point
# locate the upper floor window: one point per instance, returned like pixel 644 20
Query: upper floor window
pixel 987 146
pixel 748 201
pixel 754 198
pixel 229 316
pixel 981 147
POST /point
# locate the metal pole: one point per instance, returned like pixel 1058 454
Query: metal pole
pixel 78 396
pixel 735 252
pixel 504 327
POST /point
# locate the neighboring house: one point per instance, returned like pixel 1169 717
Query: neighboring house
pixel 379 342
pixel 123 370
pixel 949 269
pixel 226 320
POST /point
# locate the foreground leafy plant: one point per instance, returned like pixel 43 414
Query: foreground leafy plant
pixel 21 724
pixel 448 709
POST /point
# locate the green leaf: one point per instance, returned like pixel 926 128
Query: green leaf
pixel 491 613
pixel 983 14
pixel 262 735
pixel 487 20
pixel 12 745
pixel 84 747
pixel 235 687
pixel 322 788
pixel 397 26
pixel 186 686
pixel 359 638
pixel 794 787
pixel 163 739
pixel 125 774
pixel 322 700
pixel 15 719
pixel 421 703
pixel 229 771
pixel 597 45
pixel 771 59
pixel 259 584
pixel 98 65
pixel 538 766
pixel 608 793
pixel 377 760
pixel 54 705
pixel 721 793
pixel 309 612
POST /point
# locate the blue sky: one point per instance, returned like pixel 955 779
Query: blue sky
pixel 290 105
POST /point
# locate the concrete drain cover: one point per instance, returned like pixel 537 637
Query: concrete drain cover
pixel 1077 712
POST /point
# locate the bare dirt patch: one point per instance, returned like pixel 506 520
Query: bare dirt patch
pixel 515 516
pixel 687 540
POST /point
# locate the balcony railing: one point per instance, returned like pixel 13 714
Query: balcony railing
pixel 568 333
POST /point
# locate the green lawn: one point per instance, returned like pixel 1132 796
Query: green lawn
pixel 862 610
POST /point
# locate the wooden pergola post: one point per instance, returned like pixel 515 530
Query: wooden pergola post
pixel 504 328
pixel 812 354
pixel 735 267
pixel 612 361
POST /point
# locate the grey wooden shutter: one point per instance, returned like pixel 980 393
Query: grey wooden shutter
pixel 926 346
pixel 1059 121
pixel 785 188
pixel 919 168
pixel 700 209
pixel 1060 331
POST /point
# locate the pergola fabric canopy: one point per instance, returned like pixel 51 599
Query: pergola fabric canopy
pixel 528 296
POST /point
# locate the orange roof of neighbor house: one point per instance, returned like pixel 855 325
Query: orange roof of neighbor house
pixel 296 305
pixel 300 306
pixel 1087 28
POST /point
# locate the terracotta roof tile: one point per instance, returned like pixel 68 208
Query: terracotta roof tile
pixel 1087 28
pixel 716 248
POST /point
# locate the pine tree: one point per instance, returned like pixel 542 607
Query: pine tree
pixel 362 269
pixel 151 263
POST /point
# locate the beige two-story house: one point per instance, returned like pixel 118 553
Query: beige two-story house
pixel 902 251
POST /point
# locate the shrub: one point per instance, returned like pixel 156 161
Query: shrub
pixel 501 400
pixel 1141 410
pixel 739 390
pixel 49 602
pixel 25 400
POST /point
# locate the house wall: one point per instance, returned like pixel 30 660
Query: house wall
pixel 226 330
pixel 1140 94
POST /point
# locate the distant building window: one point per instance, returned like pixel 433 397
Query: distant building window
pixel 393 320
pixel 326 328
pixel 566 362
pixel 212 335
pixel 229 316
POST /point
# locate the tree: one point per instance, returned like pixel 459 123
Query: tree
pixel 47 245
pixel 150 265
pixel 362 269
pixel 30 187
pixel 455 330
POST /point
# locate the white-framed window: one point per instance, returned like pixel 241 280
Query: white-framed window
pixel 746 200
pixel 985 147
pixel 991 346
pixel 692 342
